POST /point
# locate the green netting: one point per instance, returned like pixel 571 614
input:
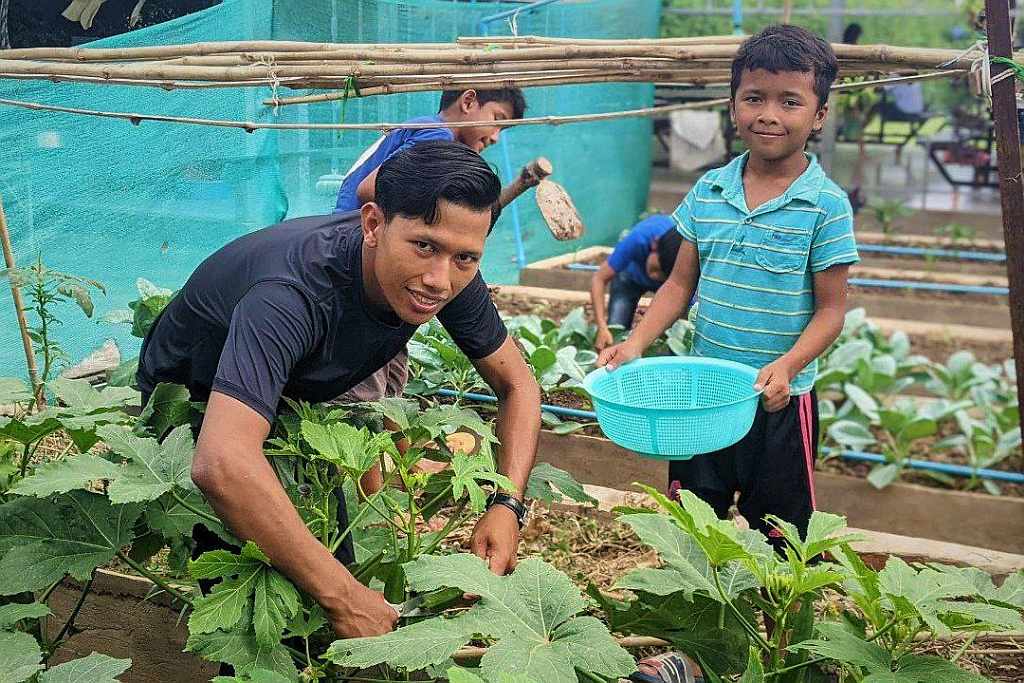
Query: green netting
pixel 114 202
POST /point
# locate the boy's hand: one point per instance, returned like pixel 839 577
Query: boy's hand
pixel 617 355
pixel 603 339
pixel 774 380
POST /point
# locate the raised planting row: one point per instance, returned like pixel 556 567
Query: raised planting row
pixel 929 293
pixel 119 492
pixel 972 420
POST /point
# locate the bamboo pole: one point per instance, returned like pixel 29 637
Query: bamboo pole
pixel 252 126
pixel 503 41
pixel 1011 188
pixel 19 308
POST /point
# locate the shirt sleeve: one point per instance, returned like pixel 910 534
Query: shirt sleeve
pixel 424 135
pixel 683 216
pixel 834 242
pixel 473 321
pixel 272 328
pixel 632 248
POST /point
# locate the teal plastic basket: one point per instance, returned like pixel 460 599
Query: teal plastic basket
pixel 674 407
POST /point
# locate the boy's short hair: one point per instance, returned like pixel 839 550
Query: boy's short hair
pixel 412 182
pixel 512 96
pixel 788 48
pixel 668 248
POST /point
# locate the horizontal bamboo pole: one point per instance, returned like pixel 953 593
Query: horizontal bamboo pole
pixel 503 41
pixel 252 126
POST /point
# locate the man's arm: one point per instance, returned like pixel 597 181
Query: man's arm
pixel 830 287
pixel 232 472
pixel 598 299
pixel 668 305
pixel 496 536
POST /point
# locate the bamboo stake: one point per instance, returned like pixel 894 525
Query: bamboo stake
pixel 251 126
pixel 19 308
pixel 505 41
pixel 787 11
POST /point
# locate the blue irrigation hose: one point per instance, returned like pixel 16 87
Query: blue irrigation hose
pixel 940 253
pixel 885 284
pixel 944 468
pixel 941 467
pixel 930 286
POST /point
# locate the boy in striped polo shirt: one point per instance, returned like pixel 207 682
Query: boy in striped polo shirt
pixel 767 243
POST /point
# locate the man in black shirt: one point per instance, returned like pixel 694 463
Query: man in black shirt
pixel 308 309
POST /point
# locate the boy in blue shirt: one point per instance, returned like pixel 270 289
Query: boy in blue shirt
pixel 467 105
pixel 767 243
pixel 639 264
pixel 358 186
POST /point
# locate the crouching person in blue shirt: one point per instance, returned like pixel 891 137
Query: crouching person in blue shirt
pixel 640 263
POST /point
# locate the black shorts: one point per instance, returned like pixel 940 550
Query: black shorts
pixel 772 468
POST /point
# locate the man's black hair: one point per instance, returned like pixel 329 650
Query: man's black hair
pixel 788 48
pixel 668 248
pixel 513 96
pixel 411 183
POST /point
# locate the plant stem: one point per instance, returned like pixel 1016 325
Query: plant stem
pixel 49 591
pixel 750 629
pixel 194 510
pixel 25 456
pixel 74 613
pixel 967 644
pixel 885 629
pixel 794 667
pixel 154 578
pixel 453 521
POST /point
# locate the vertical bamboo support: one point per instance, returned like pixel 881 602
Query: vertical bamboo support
pixel 1011 191
pixel 787 11
pixel 30 356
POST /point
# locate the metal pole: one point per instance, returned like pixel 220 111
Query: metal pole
pixel 737 17
pixel 19 308
pixel 827 150
pixel 1011 193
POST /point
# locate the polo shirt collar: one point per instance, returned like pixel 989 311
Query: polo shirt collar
pixel 806 187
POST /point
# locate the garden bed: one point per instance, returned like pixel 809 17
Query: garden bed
pixel 984 310
pixel 934 339
pixel 907 509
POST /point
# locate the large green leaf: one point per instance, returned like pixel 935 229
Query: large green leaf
pixel 153 468
pixel 13 390
pixel 43 540
pixel 30 428
pixel 550 484
pixel 252 587
pixel 172 520
pixel 14 612
pixel 96 668
pixel 124 374
pixel 851 434
pixel 239 648
pixel 468 471
pixel 169 406
pixel 931 669
pixel 843 646
pixel 353 450
pixel 755 668
pixel 690 625
pixel 83 398
pixel 256 676
pixel 20 657
pixel 67 474
pixel 685 567
pixel 532 615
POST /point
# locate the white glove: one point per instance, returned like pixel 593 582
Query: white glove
pixel 83 11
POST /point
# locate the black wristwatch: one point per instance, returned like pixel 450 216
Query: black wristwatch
pixel 512 503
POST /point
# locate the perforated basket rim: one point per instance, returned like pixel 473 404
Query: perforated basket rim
pixel 594 375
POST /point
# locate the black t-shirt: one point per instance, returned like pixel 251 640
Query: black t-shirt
pixel 282 312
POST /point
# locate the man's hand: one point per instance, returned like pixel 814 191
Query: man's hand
pixel 603 339
pixel 774 380
pixel 363 612
pixel 496 539
pixel 620 354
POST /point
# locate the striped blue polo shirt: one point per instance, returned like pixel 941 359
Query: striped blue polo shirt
pixel 756 289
